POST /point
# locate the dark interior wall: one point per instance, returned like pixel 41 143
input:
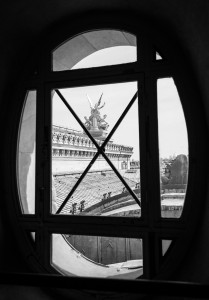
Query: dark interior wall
pixel 23 23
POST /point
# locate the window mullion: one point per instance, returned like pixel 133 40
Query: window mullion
pixel 42 174
pixel 43 242
pixel 150 169
pixel 153 172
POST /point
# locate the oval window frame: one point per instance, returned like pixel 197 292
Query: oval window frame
pixel 184 79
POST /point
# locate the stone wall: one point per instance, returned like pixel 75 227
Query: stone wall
pixel 26 154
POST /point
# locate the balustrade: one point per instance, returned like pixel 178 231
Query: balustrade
pixel 71 138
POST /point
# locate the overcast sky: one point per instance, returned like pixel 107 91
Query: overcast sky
pixel 172 128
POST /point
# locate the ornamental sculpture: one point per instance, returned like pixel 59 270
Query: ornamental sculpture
pixel 96 124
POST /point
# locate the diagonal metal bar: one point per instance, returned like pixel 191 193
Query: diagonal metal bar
pixel 92 161
pixel 77 183
pixel 86 130
pixel 99 148
pixel 76 117
pixel 120 120
pixel 122 179
pixel 108 138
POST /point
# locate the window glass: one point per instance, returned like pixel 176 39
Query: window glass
pixel 97 256
pixel 101 191
pixel 173 149
pixel 158 56
pixel 110 47
pixel 27 155
pixel 165 245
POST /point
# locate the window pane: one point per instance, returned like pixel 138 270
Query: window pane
pixel 27 155
pixel 33 235
pixel 165 245
pixel 158 56
pixel 127 155
pixel 94 49
pixel 101 191
pixel 173 149
pixel 97 256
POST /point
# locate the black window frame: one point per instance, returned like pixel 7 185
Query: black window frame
pixel 150 227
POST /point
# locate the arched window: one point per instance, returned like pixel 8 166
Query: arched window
pixel 102 160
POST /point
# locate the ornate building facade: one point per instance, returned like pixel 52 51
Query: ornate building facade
pixel 72 150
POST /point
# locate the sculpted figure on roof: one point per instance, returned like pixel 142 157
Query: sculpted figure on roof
pixel 95 121
pixel 102 123
pixel 97 106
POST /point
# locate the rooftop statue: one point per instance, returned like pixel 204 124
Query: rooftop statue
pixel 95 122
pixel 96 106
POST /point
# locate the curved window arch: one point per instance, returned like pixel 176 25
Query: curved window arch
pixel 70 54
pixel 145 235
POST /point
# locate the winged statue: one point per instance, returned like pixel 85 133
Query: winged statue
pixel 95 120
pixel 96 105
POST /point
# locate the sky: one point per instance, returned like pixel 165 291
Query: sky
pixel 171 123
